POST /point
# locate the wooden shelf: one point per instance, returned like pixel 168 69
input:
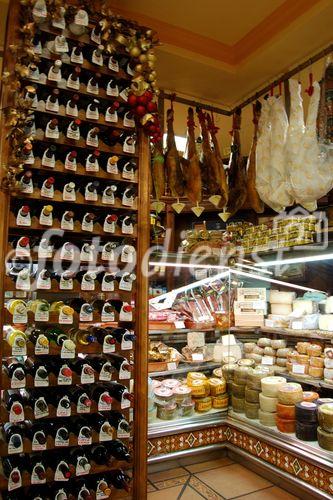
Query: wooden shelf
pixel 54 317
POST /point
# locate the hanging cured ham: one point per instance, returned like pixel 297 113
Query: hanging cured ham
pixel 263 150
pixel 253 197
pixel 218 157
pixel 172 160
pixel 325 114
pixel 191 164
pixel 236 169
pixel 158 172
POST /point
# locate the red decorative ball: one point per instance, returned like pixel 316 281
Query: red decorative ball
pixel 132 100
pixel 140 110
pixel 149 95
pixel 151 107
pixel 142 99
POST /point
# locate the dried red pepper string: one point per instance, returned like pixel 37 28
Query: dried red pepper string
pixel 310 88
pixel 280 88
pixel 271 92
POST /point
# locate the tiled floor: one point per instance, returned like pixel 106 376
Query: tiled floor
pixel 216 479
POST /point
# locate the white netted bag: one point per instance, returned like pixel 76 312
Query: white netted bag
pixel 263 152
pixel 311 173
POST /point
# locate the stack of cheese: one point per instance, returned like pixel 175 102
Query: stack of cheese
pixel 307 360
pixel 307 418
pixel 280 308
pixel 328 363
pixel 252 390
pixel 239 383
pixel 288 395
pixel 207 393
pixel 268 352
pixel 326 320
pixel 268 399
pixel 325 429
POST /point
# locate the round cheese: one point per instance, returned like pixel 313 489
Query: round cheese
pixel 240 374
pixel 271 385
pixel 325 417
pixel 306 411
pixel 277 297
pixel 316 372
pixel 281 361
pixel 217 372
pixel 322 401
pixel 258 350
pixel 251 395
pixel 217 386
pixel 264 342
pixel 238 404
pixel 220 402
pixel 302 359
pixel 286 411
pixel 245 362
pixel 195 376
pixel 314 350
pixel 325 439
pixel 279 343
pixel 251 410
pixel 281 309
pixel 304 306
pixel 238 390
pixel 255 357
pixel 267 404
pixel 302 347
pixel 269 351
pixel 283 352
pixel 228 371
pixel 291 356
pixel 326 322
pixel 249 346
pixel 328 362
pixel 310 396
pixel 290 393
pixel 256 374
pixel 306 431
pixel 284 425
pixel 267 418
pixel 203 404
pixel 318 362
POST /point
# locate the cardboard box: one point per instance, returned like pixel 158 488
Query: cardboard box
pixel 251 294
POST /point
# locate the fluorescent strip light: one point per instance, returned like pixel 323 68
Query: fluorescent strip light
pixel 251 267
pixel 295 260
pixel 179 264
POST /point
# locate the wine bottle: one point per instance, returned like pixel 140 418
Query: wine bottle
pixel 88 222
pixel 127 196
pixel 93 84
pixel 90 191
pixel 101 334
pixel 29 127
pixel 25 181
pixel 62 403
pixel 81 306
pixel 101 395
pixel 97 56
pixel 81 399
pixel 80 461
pixel 10 468
pixel 103 368
pixel 126 223
pixel 72 106
pixel 96 32
pixel 82 337
pixel 120 392
pixel 100 454
pixel 67 219
pixel 127 168
pixel 81 490
pixel 22 246
pixel 14 402
pixel 71 161
pixel 27 153
pixel 21 276
pixel 62 470
pixel 77 55
pixel 119 422
pixel 82 429
pixel 118 450
pixel 36 336
pixel 17 306
pixel 100 485
pixel 48 158
pixel 87 280
pixel 47 188
pixel 122 335
pixel 16 338
pixel 46 218
pixel 125 281
pixel 92 164
pixel 37 433
pixel 38 369
pixel 61 369
pixel 119 479
pixel 13 435
pixel 37 466
pixel 84 370
pixel 121 364
pixel 92 111
pixel 16 372
pixel 92 137
pixel 111 114
pixel 109 225
pixel 52 101
pixel 73 130
pixel 52 129
pixel 102 426
pixel 68 193
pixel 73 80
pixel 23 217
pixel 59 430
pixel 38 401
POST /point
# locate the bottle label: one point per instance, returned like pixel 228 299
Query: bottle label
pixel 107 255
pixel 111 117
pixel 67 254
pixel 100 495
pixel 41 382
pixel 73 84
pixel 73 134
pixel 90 196
pixel 67 353
pixel 111 90
pixel 113 64
pixel 92 141
pixel 13 485
pixel 102 405
pixel 12 447
pixel 121 434
pixel 22 283
pixel 23 220
pixel 95 38
pixel 104 436
pixel 40 9
pixel 19 350
pixel 83 440
pixel 60 46
pixel 124 94
pixel 72 111
pixel 45 220
pixel 108 348
pixel 87 226
pixel 41 413
pixel 128 122
pixel 67 225
pixel 82 408
pixel 70 164
pixel 126 345
pixel 92 166
pixel 30 160
pixel 125 316
pixel 41 315
pixel 92 114
pixel 92 89
pixel 86 256
pixel 82 470
pixel 36 446
pixel 87 286
pixel 108 199
pixel 15 383
pixel 87 378
pixel 76 59
pixel 105 375
pixel 129 147
pixel 107 286
pixel 125 285
pixel 97 59
pixel 62 379
pixel 84 316
pixel 65 319
pixel 123 373
pixel 43 283
pixel 109 227
pixel 34 74
pixel 61 410
pixel 35 479
pixel 54 76
pixel 128 174
pixel 58 476
pixel 127 201
pixel 125 403
pixel 58 441
pixel 66 284
pixel 48 162
pixel 127 229
pixel 81 18
pixel 39 347
pixel 52 133
pixel 14 417
pixel 27 188
pixel 112 166
pixel 69 196
pixel 52 106
pixel 47 192
pixel 127 254
pixel 20 314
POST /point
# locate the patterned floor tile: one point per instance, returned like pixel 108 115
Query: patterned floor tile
pixel 272 493
pixel 210 464
pixel 170 494
pixel 167 474
pixel 168 483
pixel 203 489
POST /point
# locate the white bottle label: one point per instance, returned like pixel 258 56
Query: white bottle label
pixel 97 59
pixel 19 350
pixel 59 23
pixel 127 229
pixel 107 286
pixel 14 417
pixel 92 141
pixel 15 383
pixel 36 446
pixel 83 440
pixel 104 436
pixel 22 283
pixel 108 199
pixel 13 485
pixel 67 225
pixel 124 374
pixel 104 374
pixel 61 45
pixel 127 254
pixel 100 495
pixel 125 316
pixel 76 59
pixel 42 315
pixel 129 147
pixel 125 403
pixel 92 114
pixel 92 166
pixel 102 405
pixel 63 379
pixel 111 117
pixel 107 255
pixel 73 134
pixel 52 106
pixel 82 408
pixel 72 111
pixel 109 227
pixel 58 476
pixel 67 353
pixel 20 315
pixel 87 226
pixel 121 434
pixel 65 319
pixel 87 378
pixel 81 18
pixel 70 164
pixel 85 316
pixel 95 38
pixel 45 220
pixel 112 167
pixel 124 94
pixel 127 201
pixel 128 122
pixel 58 441
pixel 130 175
pixel 92 89
pixel 40 348
pixel 111 90
pixel 108 348
pixel 35 479
pixel 126 345
pixel 66 284
pixel 67 253
pixel 27 188
pixel 69 195
pixel 88 286
pixel 113 64
pixel 41 413
pixel 38 49
pixel 52 133
pixel 43 283
pixel 23 220
pixel 54 76
pixel 30 160
pixel 48 162
pixel 47 192
pixel 129 70
pixel 73 84
pixel 41 382
pixel 125 285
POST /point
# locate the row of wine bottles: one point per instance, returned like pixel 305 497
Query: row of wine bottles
pixel 98 486
pixel 46 217
pixel 100 427
pixel 42 402
pixel 105 193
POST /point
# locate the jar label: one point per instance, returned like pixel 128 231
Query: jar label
pixel 16 416
pixel 58 476
pixel 35 479
pixel 12 446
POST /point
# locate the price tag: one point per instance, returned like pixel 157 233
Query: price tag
pixel 23 220
pixel 70 164
pixel 92 166
pixel 129 147
pixel 35 445
pixel 43 283
pixel 40 348
pixel 73 84
pixel 87 286
pixel 82 408
pixel 65 319
pixel 85 316
pixel 52 133
pixel 58 441
pixel 113 65
pixel 125 403
pixel 87 378
pixel 179 325
pixel 82 439
pixel 17 416
pixel 97 59
pixel 52 106
pixel 22 283
pixel 76 59
pixel 41 382
pixel 112 166
pixel 12 446
pixel 127 229
pixel 111 117
pixel 108 348
pixel 298 369
pixel 58 476
pixel 20 315
pixel 102 405
pixel 13 485
pixel 92 114
pixel 125 285
pixel 45 220
pixel 87 226
pixel 126 345
pixel 104 436
pixel 123 373
pixel 90 195
pixel 112 90
pixel 121 434
pixel 73 134
pixel 128 122
pixel 45 253
pixel 124 94
pixel 127 201
pixel 95 38
pixel 19 350
pixel 128 174
pixel 92 141
pixel 92 89
pixel 35 479
pixel 47 161
pixel 171 366
pixel 62 379
pixel 100 495
pixel 16 383
pixel 66 284
pixel 125 316
pixel 27 188
pixel 67 353
pixel 107 286
pixel 59 23
pixel 109 256
pixel 109 227
pixel 127 254
pixel 72 111
pixel 41 315
pixel 197 356
pixel 41 413
pixel 105 375
pixel 60 45
pixel 67 253
pixel 267 360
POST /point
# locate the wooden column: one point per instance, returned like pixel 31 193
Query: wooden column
pixel 141 344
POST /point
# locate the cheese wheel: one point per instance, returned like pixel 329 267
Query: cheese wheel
pixel 249 346
pixel 203 404
pixel 256 374
pixel 199 388
pixel 238 390
pixel 283 352
pixel 271 385
pixel 286 411
pixel 281 309
pixel 220 402
pixel 280 369
pixel 318 362
pixel 267 404
pixel 195 376
pixel 228 371
pixel 264 342
pixel 310 396
pixel 325 439
pixel 277 297
pixel 302 359
pixel 267 418
pixel 251 410
pixel 269 351
pixel 326 322
pixel 238 404
pixel 227 360
pixel 251 395
pixel 217 372
pixel 284 425
pixel 291 356
pixel 328 373
pixel 302 347
pixel 245 362
pixel 328 351
pixel 217 386
pixel 290 393
pixel 279 343
pixel 306 411
pixel 281 361
pixel 325 417
pixel 314 350
pixel 316 372
pixel 306 431
pixel 304 306
pixel 240 374
pixel 328 362
pixel 322 401
pixel 255 357
pixel 258 350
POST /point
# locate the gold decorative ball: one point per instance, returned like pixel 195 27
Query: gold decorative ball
pixel 142 58
pixel 151 57
pixel 135 52
pixel 151 64
pixel 138 68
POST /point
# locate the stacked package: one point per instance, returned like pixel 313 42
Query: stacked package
pixel 307 360
pixel 250 307
pixel 268 399
pixel 280 308
pixel 288 395
pixel 325 429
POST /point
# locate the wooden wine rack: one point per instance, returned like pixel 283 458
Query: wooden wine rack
pixel 11 200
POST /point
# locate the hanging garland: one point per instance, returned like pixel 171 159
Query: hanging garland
pixel 117 35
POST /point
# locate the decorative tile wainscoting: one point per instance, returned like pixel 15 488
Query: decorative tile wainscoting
pixel 313 475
